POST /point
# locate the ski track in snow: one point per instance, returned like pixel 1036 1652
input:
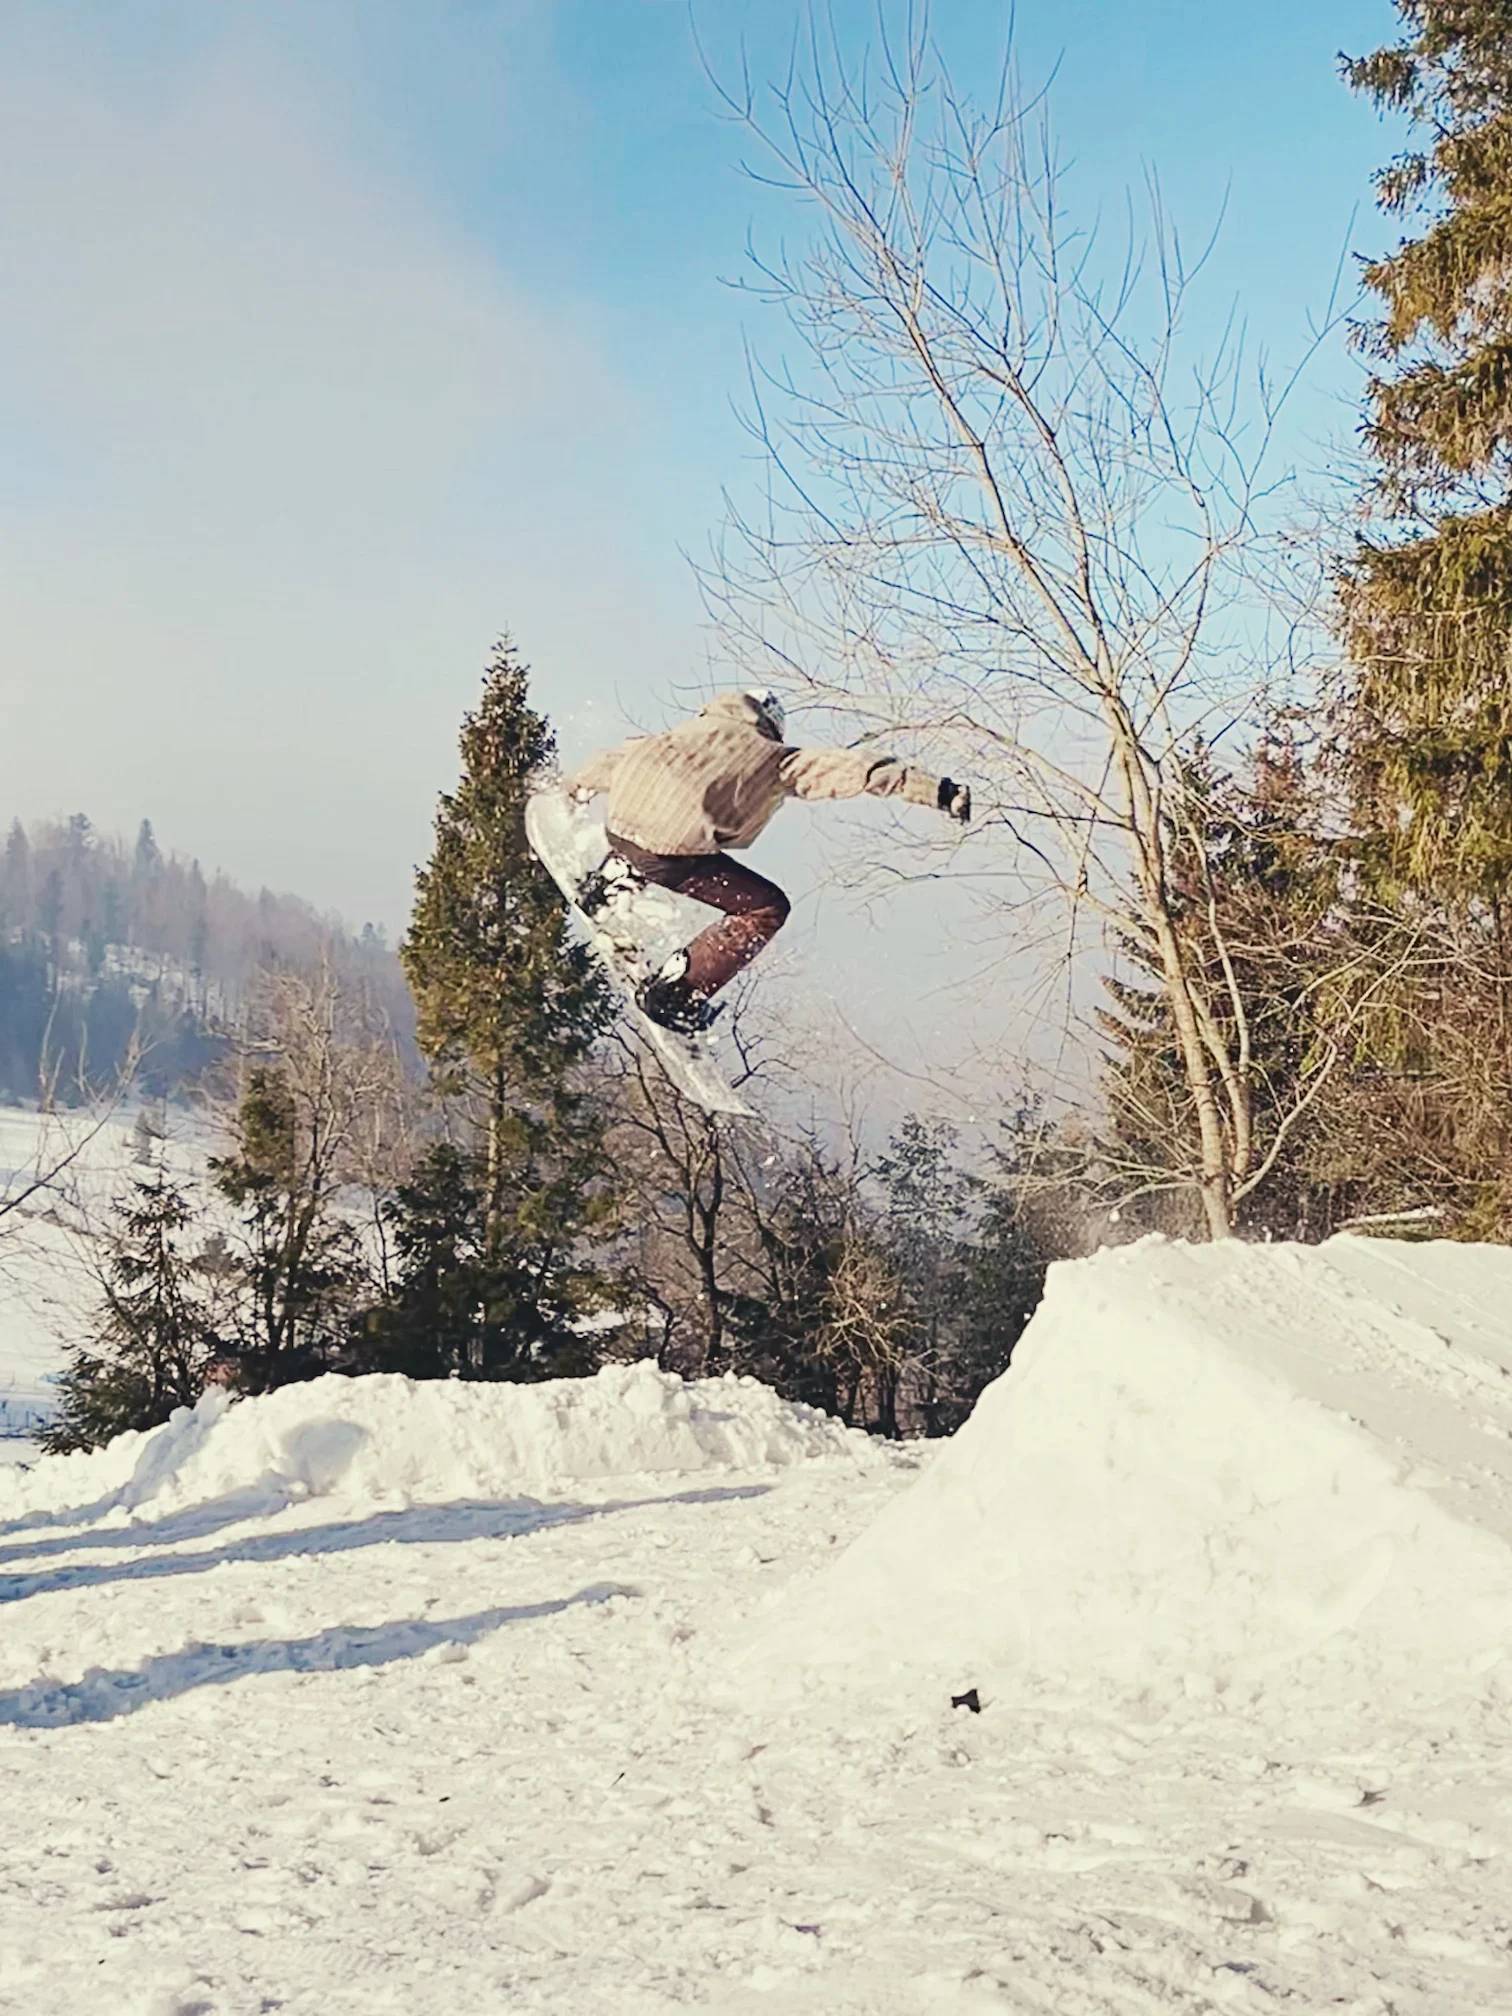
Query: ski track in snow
pixel 486 1758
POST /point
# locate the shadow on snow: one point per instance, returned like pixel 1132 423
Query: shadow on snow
pixel 103 1696
pixel 421 1525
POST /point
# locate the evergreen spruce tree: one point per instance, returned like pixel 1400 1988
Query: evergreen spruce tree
pixel 508 1008
pixel 773 1336
pixel 430 1324
pixel 1033 1207
pixel 147 859
pixel 1427 725
pixel 15 881
pixel 458 1305
pixel 156 1340
pixel 928 1204
pixel 971 1251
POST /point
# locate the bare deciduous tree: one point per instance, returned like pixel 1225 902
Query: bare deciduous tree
pixel 320 1108
pixel 64 1135
pixel 1007 518
pixel 356 1110
pixel 869 1331
pixel 683 1176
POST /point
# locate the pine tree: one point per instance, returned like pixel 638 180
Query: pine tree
pixel 801 1210
pixel 461 1306
pixel 1427 597
pixel 156 1336
pixel 928 1203
pixel 15 881
pixel 429 1325
pixel 508 1009
pixel 147 857
pixel 971 1252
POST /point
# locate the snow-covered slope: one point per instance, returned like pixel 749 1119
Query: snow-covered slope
pixel 1210 1470
pixel 370 1697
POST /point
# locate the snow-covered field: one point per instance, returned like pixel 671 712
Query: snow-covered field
pixel 49 1246
pixel 45 1290
pixel 623 1696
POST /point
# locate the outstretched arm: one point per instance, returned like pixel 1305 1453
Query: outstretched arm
pixel 596 774
pixel 857 773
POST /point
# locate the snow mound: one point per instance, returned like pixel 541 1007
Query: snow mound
pixel 392 1441
pixel 1210 1471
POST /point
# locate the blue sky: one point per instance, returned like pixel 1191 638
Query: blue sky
pixel 341 334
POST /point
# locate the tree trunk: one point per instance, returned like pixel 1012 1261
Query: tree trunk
pixel 496 1111
pixel 1144 815
pixel 706 1246
pixel 1213 1183
pixel 713 1303
pixel 1504 1018
pixel 887 1401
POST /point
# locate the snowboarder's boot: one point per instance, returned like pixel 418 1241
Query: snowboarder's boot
pixel 667 999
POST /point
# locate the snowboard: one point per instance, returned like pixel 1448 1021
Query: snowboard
pixel 632 929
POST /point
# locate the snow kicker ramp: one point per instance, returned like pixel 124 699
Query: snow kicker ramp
pixel 1211 1471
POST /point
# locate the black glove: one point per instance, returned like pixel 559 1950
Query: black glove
pixel 955 799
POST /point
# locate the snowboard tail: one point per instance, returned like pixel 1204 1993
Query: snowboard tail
pixel 620 919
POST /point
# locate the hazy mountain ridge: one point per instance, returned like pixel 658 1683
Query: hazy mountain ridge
pixel 105 942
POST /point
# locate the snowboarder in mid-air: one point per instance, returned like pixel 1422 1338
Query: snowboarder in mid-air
pixel 678 801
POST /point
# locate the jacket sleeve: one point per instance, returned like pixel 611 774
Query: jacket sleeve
pixel 597 773
pixel 854 773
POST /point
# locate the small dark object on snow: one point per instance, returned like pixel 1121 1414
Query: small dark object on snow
pixel 967 1700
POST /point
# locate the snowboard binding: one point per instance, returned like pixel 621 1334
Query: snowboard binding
pixel 668 1000
pixel 614 880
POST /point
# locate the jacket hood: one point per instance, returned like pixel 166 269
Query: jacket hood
pixel 738 707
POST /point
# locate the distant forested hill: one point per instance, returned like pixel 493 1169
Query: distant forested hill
pixel 103 942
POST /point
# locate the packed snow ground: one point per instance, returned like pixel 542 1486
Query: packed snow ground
pixel 581 1698
pixel 1239 1471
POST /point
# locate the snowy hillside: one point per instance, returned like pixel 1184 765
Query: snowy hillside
pixel 621 1696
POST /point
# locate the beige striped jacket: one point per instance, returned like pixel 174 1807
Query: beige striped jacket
pixel 715 781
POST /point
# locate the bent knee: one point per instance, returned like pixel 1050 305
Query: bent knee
pixel 776 912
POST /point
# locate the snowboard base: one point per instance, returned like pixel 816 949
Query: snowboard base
pixel 571 846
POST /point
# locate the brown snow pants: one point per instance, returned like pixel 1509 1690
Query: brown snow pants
pixel 755 909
